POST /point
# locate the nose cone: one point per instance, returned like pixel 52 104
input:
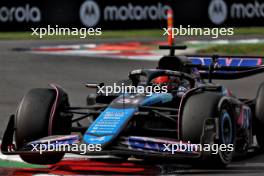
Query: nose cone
pixel 108 125
pixel 91 139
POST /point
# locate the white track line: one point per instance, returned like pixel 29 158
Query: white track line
pixel 155 56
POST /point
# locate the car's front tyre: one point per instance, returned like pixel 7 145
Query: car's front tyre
pixel 196 110
pixel 32 122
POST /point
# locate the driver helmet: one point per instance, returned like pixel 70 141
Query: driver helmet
pixel 162 80
pixel 171 83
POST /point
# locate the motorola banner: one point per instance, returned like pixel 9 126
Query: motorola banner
pixel 236 12
pixel 125 14
pixel 26 13
pixel 115 14
pixel 152 14
pixel 20 15
pixel 122 14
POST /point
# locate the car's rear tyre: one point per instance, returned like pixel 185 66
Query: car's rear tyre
pixel 259 120
pixel 197 109
pixel 32 121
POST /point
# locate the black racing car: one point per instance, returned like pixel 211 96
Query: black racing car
pixel 192 113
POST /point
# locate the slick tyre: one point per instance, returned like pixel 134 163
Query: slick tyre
pixel 226 138
pixel 32 120
pixel 196 110
pixel 259 120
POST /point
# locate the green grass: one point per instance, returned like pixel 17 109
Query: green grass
pixel 237 49
pixel 133 33
pixel 16 164
pixel 126 34
pixel 249 31
pixel 15 35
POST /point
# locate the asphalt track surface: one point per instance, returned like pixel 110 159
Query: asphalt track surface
pixel 21 71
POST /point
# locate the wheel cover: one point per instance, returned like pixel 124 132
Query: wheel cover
pixel 226 135
pixel 226 128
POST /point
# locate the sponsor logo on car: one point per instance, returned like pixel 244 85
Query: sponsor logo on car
pixel 236 62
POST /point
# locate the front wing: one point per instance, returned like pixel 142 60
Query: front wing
pixel 137 146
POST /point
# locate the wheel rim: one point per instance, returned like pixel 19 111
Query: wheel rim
pixel 226 134
pixel 226 128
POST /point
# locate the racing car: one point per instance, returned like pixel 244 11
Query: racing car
pixel 193 111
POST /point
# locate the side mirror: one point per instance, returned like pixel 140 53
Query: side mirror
pixel 94 85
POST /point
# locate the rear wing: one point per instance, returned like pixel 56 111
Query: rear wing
pixel 227 67
pixel 215 67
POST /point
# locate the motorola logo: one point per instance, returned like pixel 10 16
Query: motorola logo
pixel 249 10
pixel 136 12
pixel 20 14
pixel 217 11
pixel 90 13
